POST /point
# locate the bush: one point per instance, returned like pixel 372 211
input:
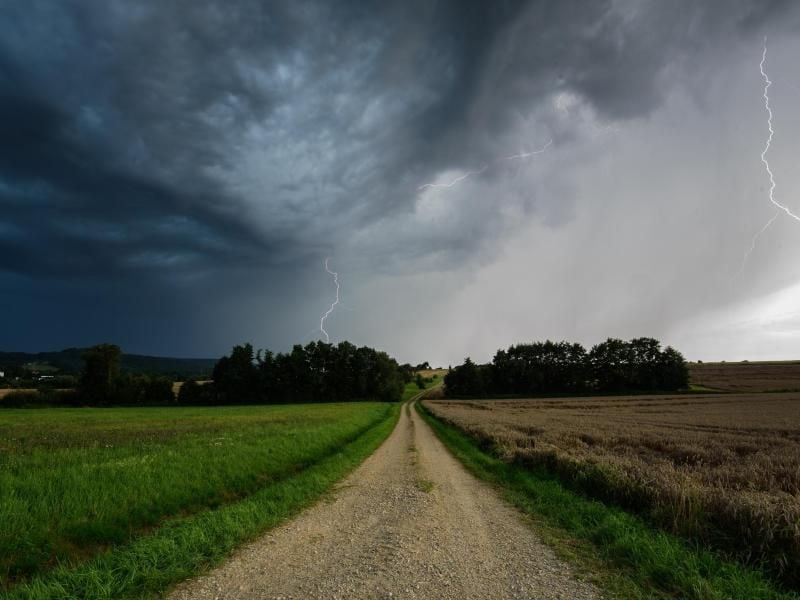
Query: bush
pixel 193 393
pixel 419 380
pixel 141 390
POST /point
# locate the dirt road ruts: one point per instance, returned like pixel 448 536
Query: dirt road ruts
pixel 408 523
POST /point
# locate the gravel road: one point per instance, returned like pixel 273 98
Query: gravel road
pixel 410 522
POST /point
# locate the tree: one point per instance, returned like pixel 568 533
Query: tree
pixel 541 367
pixel 98 378
pixel 317 372
pixel 611 365
pixel 236 377
pixel 673 370
pixel 419 380
pixel 407 372
pixel 158 391
pixel 193 393
pixel 645 355
pixel 562 367
pixel 465 380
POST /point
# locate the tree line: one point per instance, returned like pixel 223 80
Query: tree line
pixel 638 365
pixel 317 372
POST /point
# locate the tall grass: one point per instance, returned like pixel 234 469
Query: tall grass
pixel 75 484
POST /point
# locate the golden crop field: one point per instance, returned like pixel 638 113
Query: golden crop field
pixel 433 372
pixel 720 468
pixel 783 376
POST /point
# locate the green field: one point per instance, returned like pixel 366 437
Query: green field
pixel 121 502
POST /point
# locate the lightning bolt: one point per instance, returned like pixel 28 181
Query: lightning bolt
pixel 461 178
pixel 455 181
pixel 772 184
pixel 767 84
pixel 529 154
pixel 333 305
pixel 755 239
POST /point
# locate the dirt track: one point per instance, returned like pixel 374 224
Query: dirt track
pixel 408 523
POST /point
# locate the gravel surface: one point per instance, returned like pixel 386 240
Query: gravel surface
pixel 410 522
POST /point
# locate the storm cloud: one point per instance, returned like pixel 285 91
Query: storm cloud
pixel 174 173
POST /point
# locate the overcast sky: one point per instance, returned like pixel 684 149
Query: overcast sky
pixel 174 173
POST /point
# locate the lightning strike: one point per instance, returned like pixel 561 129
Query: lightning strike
pixel 767 84
pixel 455 181
pixel 772 184
pixel 755 239
pixel 529 154
pixel 333 305
pixel 484 167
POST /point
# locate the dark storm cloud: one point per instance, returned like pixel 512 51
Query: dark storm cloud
pixel 75 210
pixel 198 137
pixel 121 109
pixel 67 202
pixel 615 55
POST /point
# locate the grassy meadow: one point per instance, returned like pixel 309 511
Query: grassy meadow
pixel 119 502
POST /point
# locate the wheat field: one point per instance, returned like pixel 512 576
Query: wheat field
pixel 721 469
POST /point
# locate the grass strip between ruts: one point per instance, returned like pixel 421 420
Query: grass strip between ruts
pixel 637 560
pixel 185 547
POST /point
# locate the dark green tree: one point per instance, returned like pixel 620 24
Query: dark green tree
pixel 407 372
pixel 317 372
pixel 541 367
pixel 645 355
pixel 419 380
pixel 466 380
pixel 193 393
pixel 98 379
pixel 611 365
pixel 673 370
pixel 236 377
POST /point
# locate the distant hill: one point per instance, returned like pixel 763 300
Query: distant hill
pixel 70 361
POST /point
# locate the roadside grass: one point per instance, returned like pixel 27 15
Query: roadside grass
pixel 633 559
pixel 106 503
